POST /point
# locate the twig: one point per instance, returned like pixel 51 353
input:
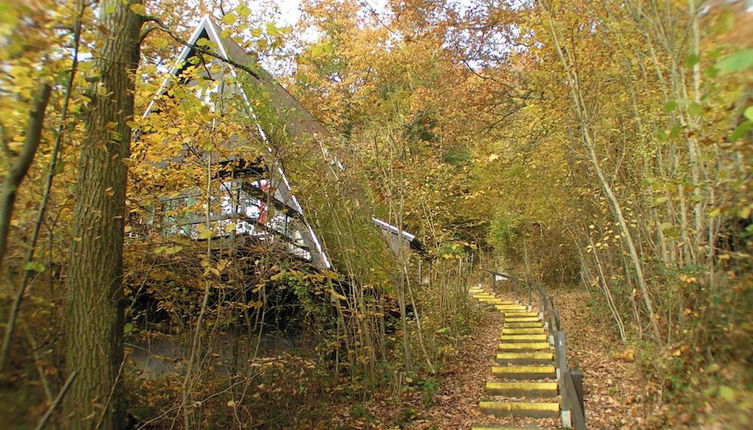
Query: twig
pixel 199 49
pixel 57 401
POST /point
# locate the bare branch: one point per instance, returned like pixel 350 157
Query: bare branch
pixel 161 26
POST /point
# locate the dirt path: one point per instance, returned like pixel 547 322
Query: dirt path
pixel 460 386
pixel 613 383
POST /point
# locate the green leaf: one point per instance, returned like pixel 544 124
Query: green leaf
pixel 35 266
pixel 675 132
pixel 736 61
pixel 748 113
pixel 670 106
pixel 691 60
pixel 127 328
pixel 741 130
pixel 695 109
pixel 660 200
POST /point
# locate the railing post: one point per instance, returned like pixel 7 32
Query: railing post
pixel 561 357
pixel 577 377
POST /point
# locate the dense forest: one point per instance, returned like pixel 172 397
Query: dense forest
pixel 213 215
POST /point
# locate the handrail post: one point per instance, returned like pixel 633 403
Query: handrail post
pixel 561 357
pixel 577 378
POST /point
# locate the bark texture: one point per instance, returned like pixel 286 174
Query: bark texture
pixel 94 307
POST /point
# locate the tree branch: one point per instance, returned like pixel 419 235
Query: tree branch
pixel 20 167
pixel 199 49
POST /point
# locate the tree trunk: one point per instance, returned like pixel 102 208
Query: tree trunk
pixel 583 116
pixel 20 166
pixel 94 306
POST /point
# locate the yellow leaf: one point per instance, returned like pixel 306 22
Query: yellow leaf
pixel 170 250
pixel 229 19
pixel 727 393
pixel 336 295
pixel 138 9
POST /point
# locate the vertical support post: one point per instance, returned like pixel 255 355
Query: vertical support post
pixel 577 377
pixel 494 282
pixel 560 352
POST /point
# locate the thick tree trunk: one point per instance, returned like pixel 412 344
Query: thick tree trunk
pixel 94 306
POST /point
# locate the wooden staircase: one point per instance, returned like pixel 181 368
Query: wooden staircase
pixel 526 383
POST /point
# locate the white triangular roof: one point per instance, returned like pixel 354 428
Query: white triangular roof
pixel 298 120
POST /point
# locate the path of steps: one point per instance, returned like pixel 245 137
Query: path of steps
pixel 525 387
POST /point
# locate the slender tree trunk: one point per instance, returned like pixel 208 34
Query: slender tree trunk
pixel 20 166
pixel 94 306
pixel 588 142
pixel 21 289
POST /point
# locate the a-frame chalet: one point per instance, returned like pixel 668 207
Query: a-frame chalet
pixel 262 203
pixel 284 219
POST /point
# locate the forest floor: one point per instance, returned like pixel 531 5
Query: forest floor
pixel 613 384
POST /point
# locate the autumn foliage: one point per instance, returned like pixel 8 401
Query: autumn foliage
pixel 598 146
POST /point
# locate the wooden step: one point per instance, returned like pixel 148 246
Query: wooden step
pixel 525 357
pixel 483 296
pixel 522 389
pixel 532 330
pixel 492 301
pixel 513 312
pixel 524 372
pixel 511 307
pixel 531 324
pixel 520 409
pixel 527 346
pixel 522 319
pixel 521 315
pixel 519 338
